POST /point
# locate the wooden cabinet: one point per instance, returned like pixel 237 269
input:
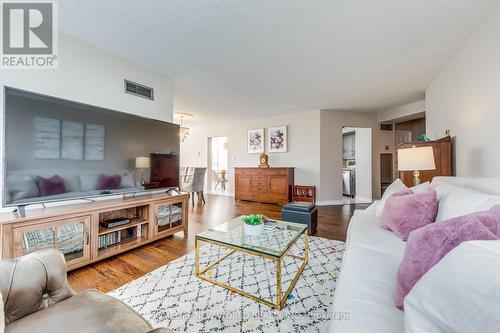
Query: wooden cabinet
pixel 349 145
pixel 168 217
pixel 442 158
pixel 71 236
pixel 78 231
pixel 269 185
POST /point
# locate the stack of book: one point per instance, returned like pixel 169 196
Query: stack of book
pixel 118 237
pixel 270 225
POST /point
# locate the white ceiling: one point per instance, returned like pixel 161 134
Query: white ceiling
pixel 250 58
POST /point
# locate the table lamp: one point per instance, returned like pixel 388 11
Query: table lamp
pixel 416 159
pixel 142 163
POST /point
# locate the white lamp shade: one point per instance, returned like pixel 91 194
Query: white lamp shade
pixel 416 158
pixel 142 162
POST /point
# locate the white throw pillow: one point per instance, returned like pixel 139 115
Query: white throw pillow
pixel 72 183
pixel 421 188
pixel 88 182
pixel 493 201
pixel 457 201
pixel 396 186
pixel 128 180
pixel 461 293
pixel 22 186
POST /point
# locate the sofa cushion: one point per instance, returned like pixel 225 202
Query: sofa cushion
pixel 364 231
pixel 459 294
pixel 428 245
pixel 405 211
pixel 22 186
pixel 89 311
pixel 457 201
pixel 365 292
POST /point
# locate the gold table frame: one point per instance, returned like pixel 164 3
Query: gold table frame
pixel 280 299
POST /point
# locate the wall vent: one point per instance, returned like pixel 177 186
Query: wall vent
pixel 386 127
pixel 139 90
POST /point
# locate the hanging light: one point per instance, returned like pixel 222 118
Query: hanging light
pixel 183 131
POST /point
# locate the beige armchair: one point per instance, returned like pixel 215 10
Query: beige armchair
pixel 37 298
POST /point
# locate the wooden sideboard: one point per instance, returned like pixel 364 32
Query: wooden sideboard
pixel 442 157
pixel 77 232
pixel 269 185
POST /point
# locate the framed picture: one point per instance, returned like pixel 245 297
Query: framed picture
pixel 277 140
pixel 255 141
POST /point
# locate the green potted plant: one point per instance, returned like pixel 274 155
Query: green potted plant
pixel 253 225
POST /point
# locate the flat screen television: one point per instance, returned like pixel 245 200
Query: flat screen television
pixel 58 150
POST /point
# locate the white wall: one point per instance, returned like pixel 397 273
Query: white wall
pixel 402 112
pixel 314 147
pixel 90 75
pixel 332 122
pixel 303 145
pixel 363 148
pixel 465 98
pixel 93 76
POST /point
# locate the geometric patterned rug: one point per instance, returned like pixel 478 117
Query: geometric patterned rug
pixel 171 296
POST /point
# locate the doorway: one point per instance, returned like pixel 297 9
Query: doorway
pixel 218 178
pixel 356 165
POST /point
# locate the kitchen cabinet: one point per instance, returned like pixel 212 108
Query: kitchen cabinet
pixel 348 145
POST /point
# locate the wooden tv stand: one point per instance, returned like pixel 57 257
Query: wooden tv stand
pixel 76 230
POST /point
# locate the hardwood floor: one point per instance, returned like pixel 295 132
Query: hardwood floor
pixel 109 274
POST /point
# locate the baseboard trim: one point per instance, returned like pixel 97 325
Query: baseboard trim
pixel 330 203
pixel 223 194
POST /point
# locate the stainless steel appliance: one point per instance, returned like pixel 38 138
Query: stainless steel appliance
pixel 349 182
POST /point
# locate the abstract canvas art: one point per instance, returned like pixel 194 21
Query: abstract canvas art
pixel 277 140
pixel 72 140
pixel 255 141
pixel 47 138
pixel 94 142
pixel 68 140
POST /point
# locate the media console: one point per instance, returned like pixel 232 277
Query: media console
pixel 77 232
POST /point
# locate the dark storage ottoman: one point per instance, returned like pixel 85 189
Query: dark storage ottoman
pixel 301 212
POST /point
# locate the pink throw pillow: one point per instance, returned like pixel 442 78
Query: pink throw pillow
pixel 405 211
pixel 428 245
pixel 50 186
pixel 109 182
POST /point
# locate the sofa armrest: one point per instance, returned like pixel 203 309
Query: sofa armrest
pixel 32 283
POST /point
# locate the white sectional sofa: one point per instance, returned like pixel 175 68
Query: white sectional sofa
pixel 366 285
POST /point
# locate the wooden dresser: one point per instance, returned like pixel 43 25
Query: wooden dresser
pixel 442 157
pixel 269 185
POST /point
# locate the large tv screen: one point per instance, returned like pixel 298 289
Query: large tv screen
pixel 58 150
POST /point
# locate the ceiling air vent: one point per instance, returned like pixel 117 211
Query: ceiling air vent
pixel 386 127
pixel 139 90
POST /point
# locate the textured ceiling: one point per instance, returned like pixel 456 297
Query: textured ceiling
pixel 251 58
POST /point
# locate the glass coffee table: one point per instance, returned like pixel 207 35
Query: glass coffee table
pixel 272 245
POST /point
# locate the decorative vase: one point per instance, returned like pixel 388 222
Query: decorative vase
pixel 253 230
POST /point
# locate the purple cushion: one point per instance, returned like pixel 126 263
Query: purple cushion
pixel 405 211
pixel 50 186
pixel 428 245
pixel 109 182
